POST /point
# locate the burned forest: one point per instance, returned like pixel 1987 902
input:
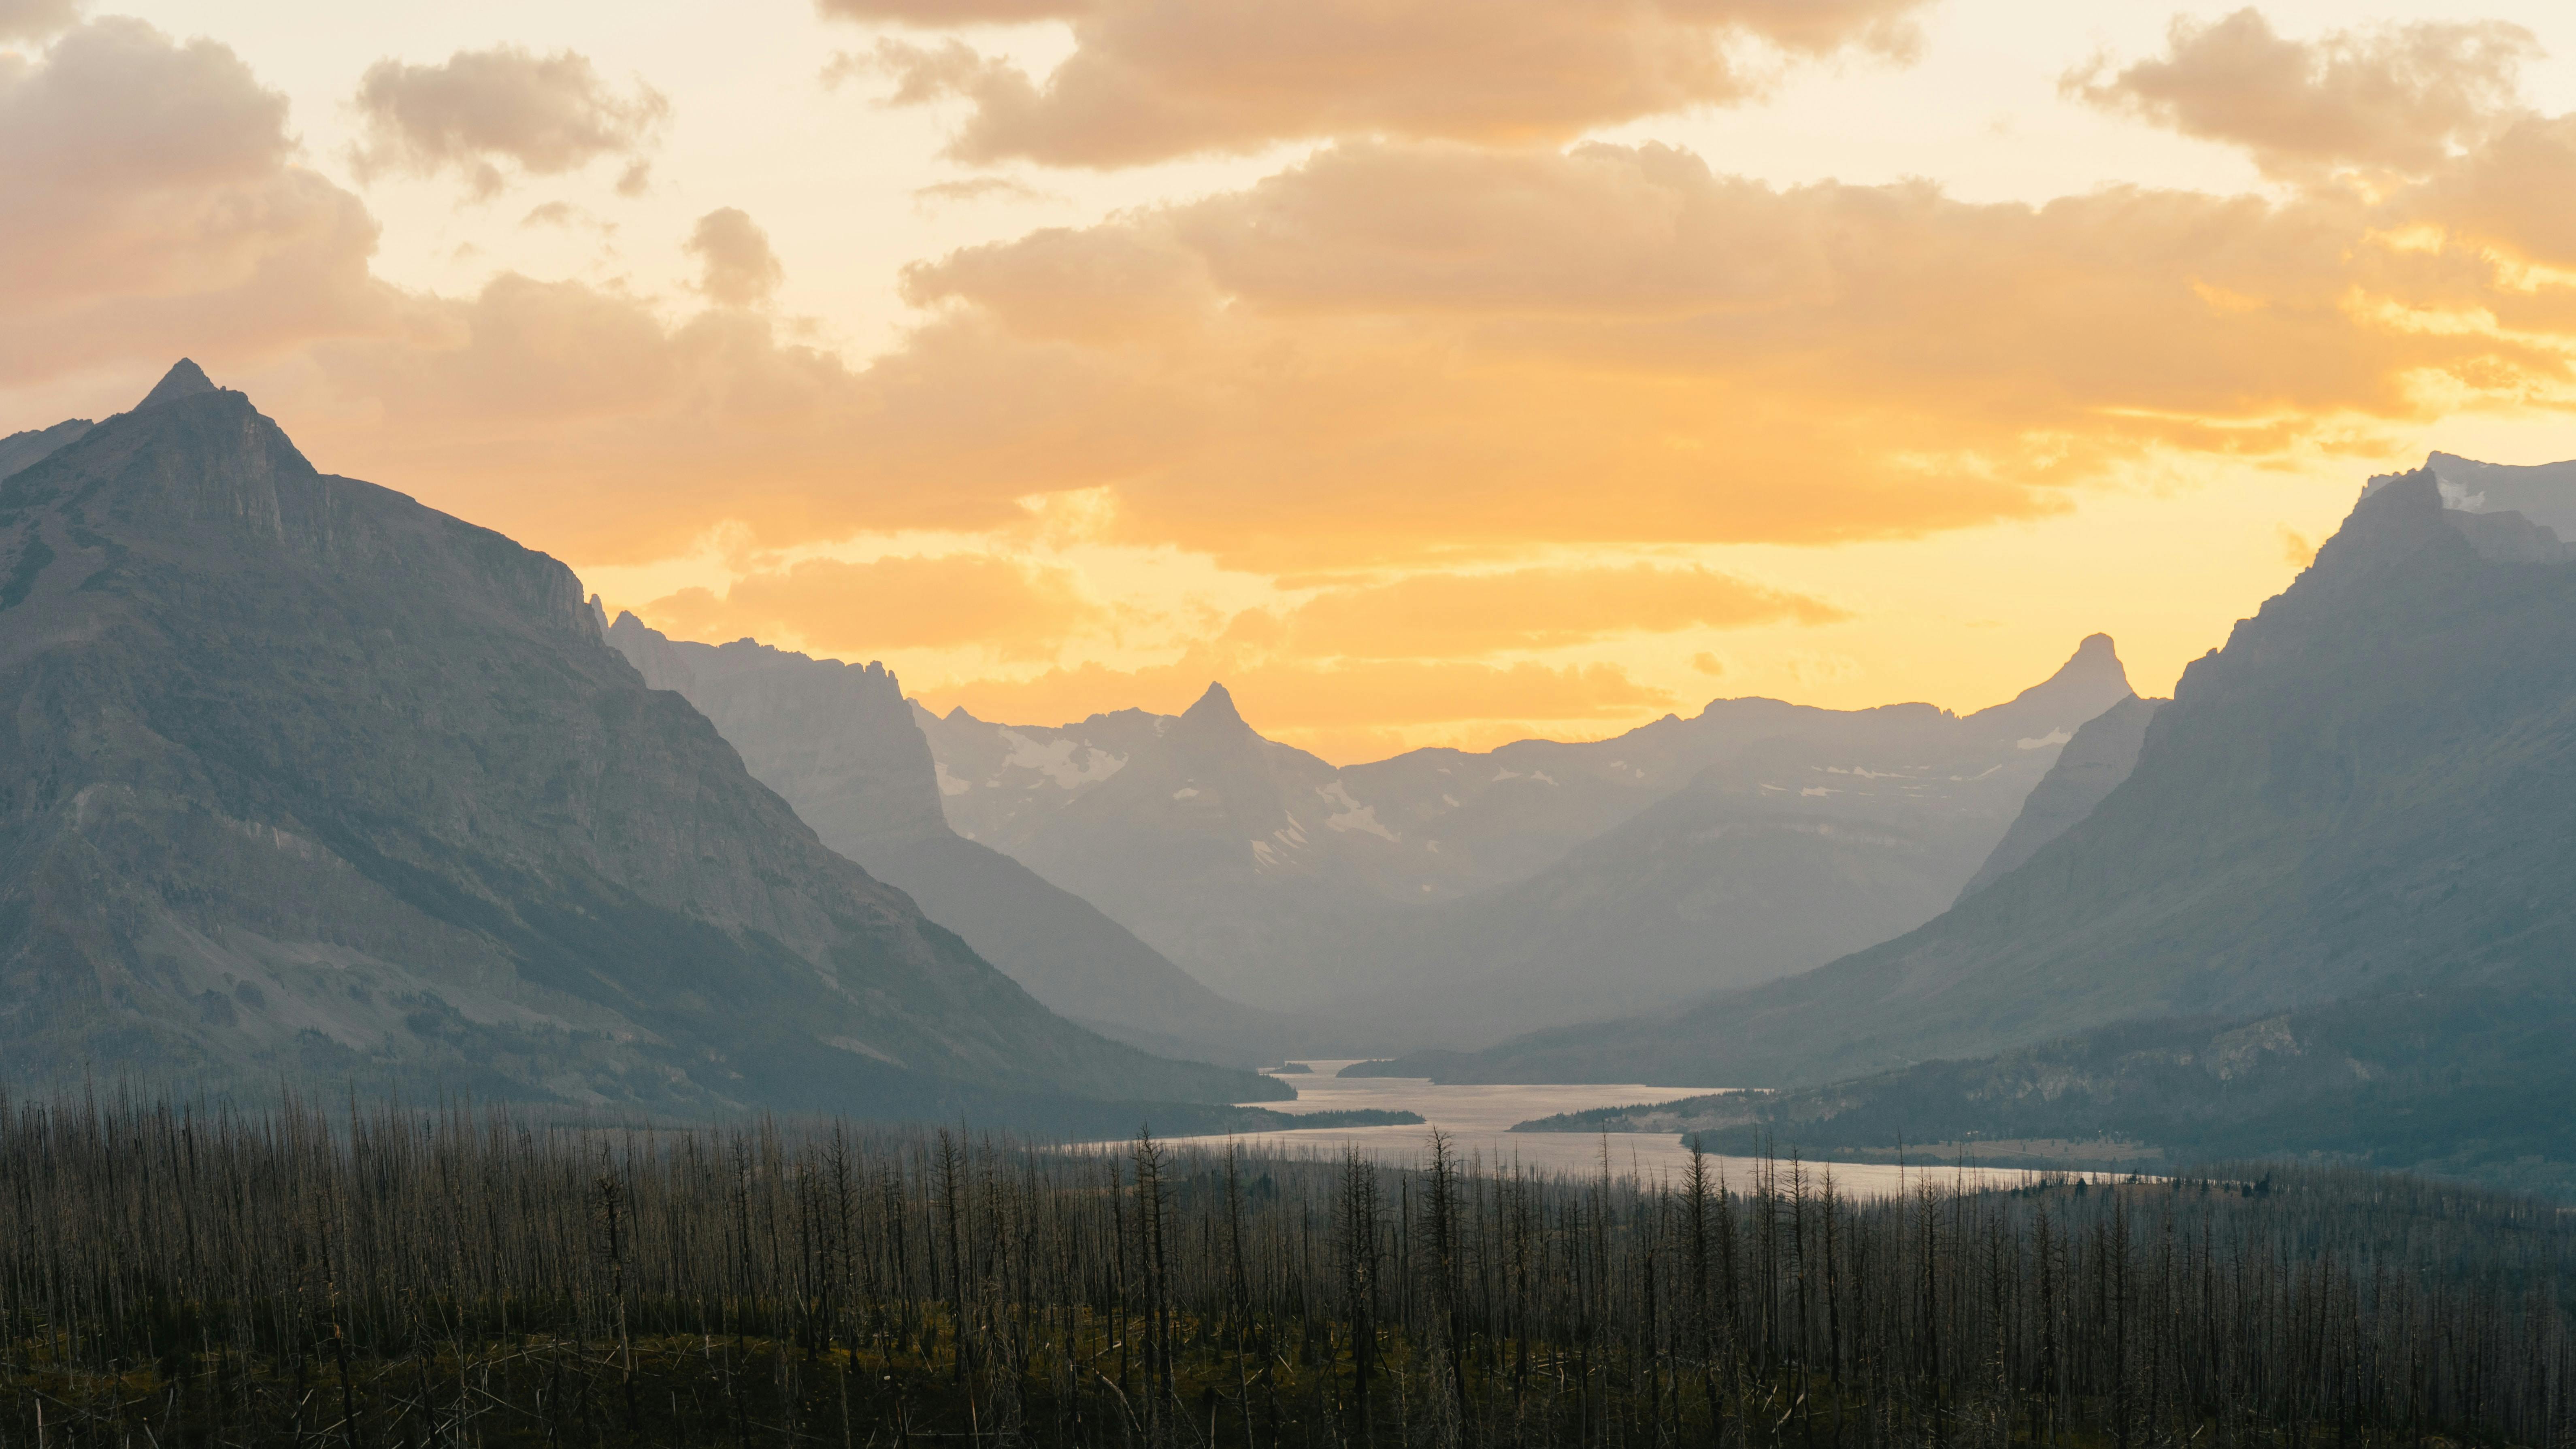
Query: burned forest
pixel 388 1277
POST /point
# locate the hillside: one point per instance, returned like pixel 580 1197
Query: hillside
pixel 302 782
pixel 2366 792
pixel 839 743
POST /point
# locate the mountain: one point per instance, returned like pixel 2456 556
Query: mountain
pixel 1237 857
pixel 1369 891
pixel 25 450
pixel 2544 494
pixel 2365 794
pixel 1821 834
pixel 2091 766
pixel 302 782
pixel 839 743
pixel 2461 1083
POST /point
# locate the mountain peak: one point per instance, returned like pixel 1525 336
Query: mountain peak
pixel 184 379
pixel 2090 681
pixel 1216 707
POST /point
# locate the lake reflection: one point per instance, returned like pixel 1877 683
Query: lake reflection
pixel 1479 1119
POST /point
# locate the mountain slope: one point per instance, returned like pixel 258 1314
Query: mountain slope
pixel 2461 1083
pixel 301 780
pixel 25 450
pixel 2091 766
pixel 2367 791
pixel 1840 830
pixel 838 741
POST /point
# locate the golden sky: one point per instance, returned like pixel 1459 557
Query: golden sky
pixel 1431 371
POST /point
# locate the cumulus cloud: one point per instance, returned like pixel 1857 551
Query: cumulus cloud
pixel 36 19
pixel 1423 342
pixel 486 114
pixel 1397 351
pixel 736 267
pixel 155 210
pixel 2512 192
pixel 1454 615
pixel 1153 79
pixel 1012 609
pixel 2396 97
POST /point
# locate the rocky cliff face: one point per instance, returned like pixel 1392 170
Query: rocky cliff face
pixel 302 781
pixel 838 741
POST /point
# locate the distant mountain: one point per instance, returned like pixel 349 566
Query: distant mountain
pixel 2090 767
pixel 2365 794
pixel 303 782
pixel 1239 858
pixel 1813 835
pixel 1372 891
pixel 2544 494
pixel 25 450
pixel 838 741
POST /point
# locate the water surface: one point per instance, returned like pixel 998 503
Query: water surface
pixel 1479 1118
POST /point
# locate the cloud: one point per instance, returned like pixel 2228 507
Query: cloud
pixel 155 210
pixel 943 14
pixel 483 110
pixel 1012 609
pixel 1400 346
pixel 37 19
pixel 1396 353
pixel 2513 191
pixel 1154 79
pixel 736 266
pixel 978 188
pixel 2398 97
pixel 1454 616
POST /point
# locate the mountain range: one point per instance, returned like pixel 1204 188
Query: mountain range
pixel 304 783
pixel 839 743
pixel 1445 895
pixel 2323 912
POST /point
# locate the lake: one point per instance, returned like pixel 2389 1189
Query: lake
pixel 1479 1118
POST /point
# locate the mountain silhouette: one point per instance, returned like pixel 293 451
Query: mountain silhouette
pixel 304 783
pixel 839 743
pixel 2363 795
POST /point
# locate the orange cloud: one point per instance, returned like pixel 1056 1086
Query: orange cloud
pixel 1437 616
pixel 1153 79
pixel 1015 610
pixel 541 115
pixel 736 266
pixel 1396 351
pixel 2513 191
pixel 154 211
pixel 36 19
pixel 2396 97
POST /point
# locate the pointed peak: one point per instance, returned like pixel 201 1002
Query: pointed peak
pixel 184 379
pixel 2096 652
pixel 1215 707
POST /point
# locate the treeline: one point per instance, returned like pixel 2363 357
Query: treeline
pixel 386 1278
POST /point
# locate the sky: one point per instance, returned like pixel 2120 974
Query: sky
pixel 1429 371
